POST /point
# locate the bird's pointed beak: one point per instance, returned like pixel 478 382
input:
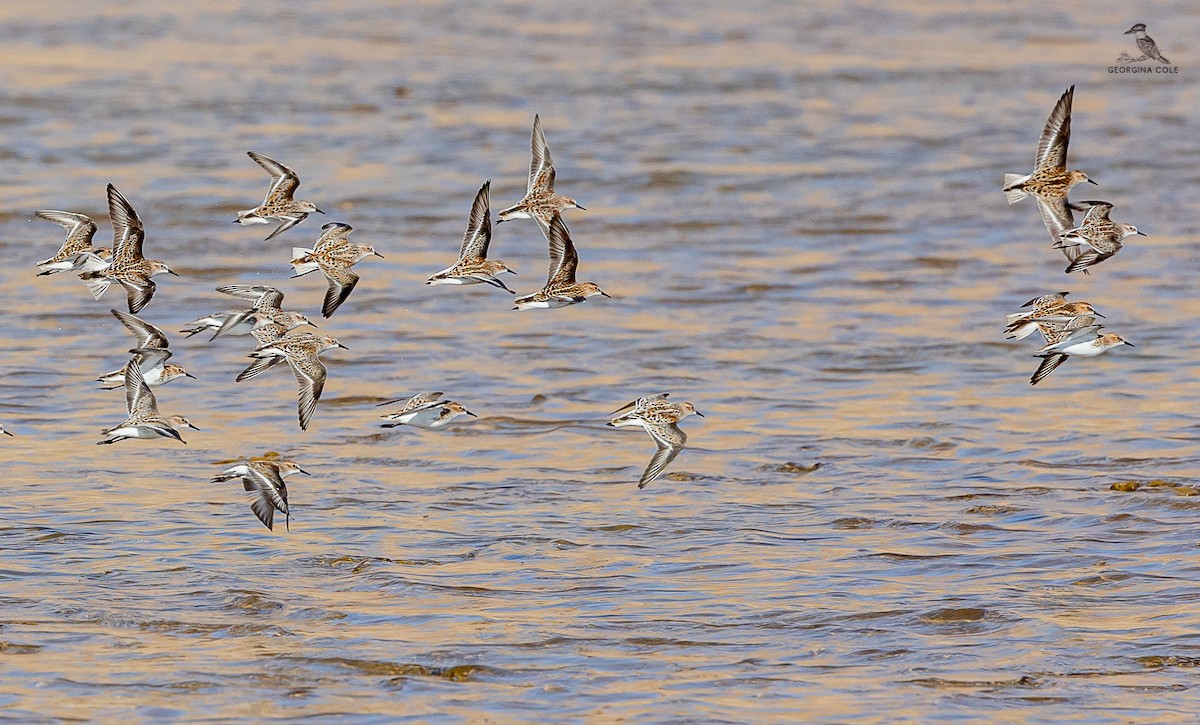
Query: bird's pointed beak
pixel 301 470
pixel 1097 314
pixel 511 271
pixel 1128 32
pixel 699 414
pixel 1127 342
pixel 1140 233
pixel 192 427
pixel 9 434
pixel 609 424
pixel 606 294
pixel 500 221
pixel 470 413
pixel 343 346
pixel 1093 181
pixel 377 254
pixel 189 375
pixel 319 211
pixel 172 272
pixel 579 206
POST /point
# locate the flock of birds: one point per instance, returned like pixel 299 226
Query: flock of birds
pixel 276 330
pixel 1067 328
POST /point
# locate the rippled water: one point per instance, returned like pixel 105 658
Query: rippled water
pixel 798 214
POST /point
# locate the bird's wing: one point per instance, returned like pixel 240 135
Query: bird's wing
pixel 641 402
pixel 138 292
pixel 669 439
pixel 231 321
pixel 151 357
pixel 80 230
pixel 288 222
pixel 342 281
pixel 1085 260
pixel 563 257
pixel 283 180
pixel 259 366
pixel 1057 217
pixel 139 401
pixel 271 490
pixel 1052 147
pixel 261 294
pixel 66 219
pixel 128 233
pixel 1048 365
pixel 541 166
pixel 1058 297
pixel 1086 334
pixel 310 375
pixel 422 400
pixel 479 228
pixel 147 335
pixel 1097 211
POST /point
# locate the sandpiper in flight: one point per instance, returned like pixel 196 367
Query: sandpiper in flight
pixel 264 477
pixel 473 266
pixel 659 418
pixel 1087 342
pixel 278 205
pixel 128 268
pixel 76 252
pixel 302 351
pixel 1051 180
pixel 144 420
pixel 541 202
pixel 1047 308
pixel 151 354
pixel 425 410
pixel 1098 237
pixel 561 288
pixel 334 254
pixel 268 303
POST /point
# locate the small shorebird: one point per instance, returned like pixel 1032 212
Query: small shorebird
pixel 1047 308
pixel 264 477
pixel 473 266
pixel 561 288
pixel 1145 43
pixel 541 203
pixel 278 205
pixel 268 303
pixel 76 253
pixel 1098 235
pixel 1086 342
pixel 659 418
pixel 302 352
pixel 425 410
pixel 151 354
pixel 334 255
pixel 128 268
pixel 1051 180
pixel 144 420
